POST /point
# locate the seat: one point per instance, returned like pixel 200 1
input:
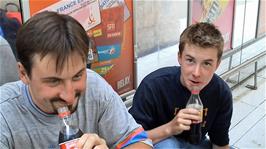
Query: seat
pixel 8 63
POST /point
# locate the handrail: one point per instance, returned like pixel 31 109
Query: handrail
pixel 233 70
pixel 127 94
pixel 239 48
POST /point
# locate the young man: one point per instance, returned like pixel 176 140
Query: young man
pixel 160 100
pixel 52 51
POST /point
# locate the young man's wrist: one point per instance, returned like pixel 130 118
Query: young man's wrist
pixel 169 131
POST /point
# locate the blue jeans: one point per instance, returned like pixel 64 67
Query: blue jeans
pixel 174 143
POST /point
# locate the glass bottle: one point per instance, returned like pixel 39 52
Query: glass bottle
pixel 195 128
pixel 69 131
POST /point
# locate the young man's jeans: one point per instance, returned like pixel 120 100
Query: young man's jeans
pixel 174 143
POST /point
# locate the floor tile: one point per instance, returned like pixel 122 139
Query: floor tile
pixel 240 111
pixel 249 96
pixel 247 123
pixel 254 138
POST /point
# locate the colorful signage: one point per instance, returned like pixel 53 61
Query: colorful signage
pixel 219 12
pixel 109 24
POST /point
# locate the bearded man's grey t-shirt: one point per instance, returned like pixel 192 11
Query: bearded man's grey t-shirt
pixel 100 111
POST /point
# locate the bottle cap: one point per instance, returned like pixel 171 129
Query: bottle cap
pixel 195 92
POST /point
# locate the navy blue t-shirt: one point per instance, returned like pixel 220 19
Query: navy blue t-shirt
pixel 161 95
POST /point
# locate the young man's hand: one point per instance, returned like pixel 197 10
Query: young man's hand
pixel 183 120
pixel 91 141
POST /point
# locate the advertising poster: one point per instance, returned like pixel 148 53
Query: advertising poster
pixel 109 24
pixel 261 21
pixel 218 12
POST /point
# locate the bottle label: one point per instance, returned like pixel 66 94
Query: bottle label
pixel 71 144
pixel 198 107
pixel 195 106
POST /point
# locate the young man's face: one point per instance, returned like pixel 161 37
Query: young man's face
pixel 197 66
pixel 50 89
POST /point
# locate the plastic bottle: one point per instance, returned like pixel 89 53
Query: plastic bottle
pixel 195 128
pixel 69 132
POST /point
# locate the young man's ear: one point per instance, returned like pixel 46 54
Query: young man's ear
pixel 23 74
pixel 218 64
pixel 179 57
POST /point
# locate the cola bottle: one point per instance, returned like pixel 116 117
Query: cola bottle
pixel 69 132
pixel 195 128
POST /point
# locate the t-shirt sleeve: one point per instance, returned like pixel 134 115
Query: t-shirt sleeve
pixel 116 125
pixel 143 107
pixel 138 135
pixel 219 133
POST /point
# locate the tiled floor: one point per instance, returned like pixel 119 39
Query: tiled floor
pixel 247 130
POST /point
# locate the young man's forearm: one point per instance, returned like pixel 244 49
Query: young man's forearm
pixel 159 133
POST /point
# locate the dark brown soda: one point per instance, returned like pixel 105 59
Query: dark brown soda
pixel 195 133
pixel 63 137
